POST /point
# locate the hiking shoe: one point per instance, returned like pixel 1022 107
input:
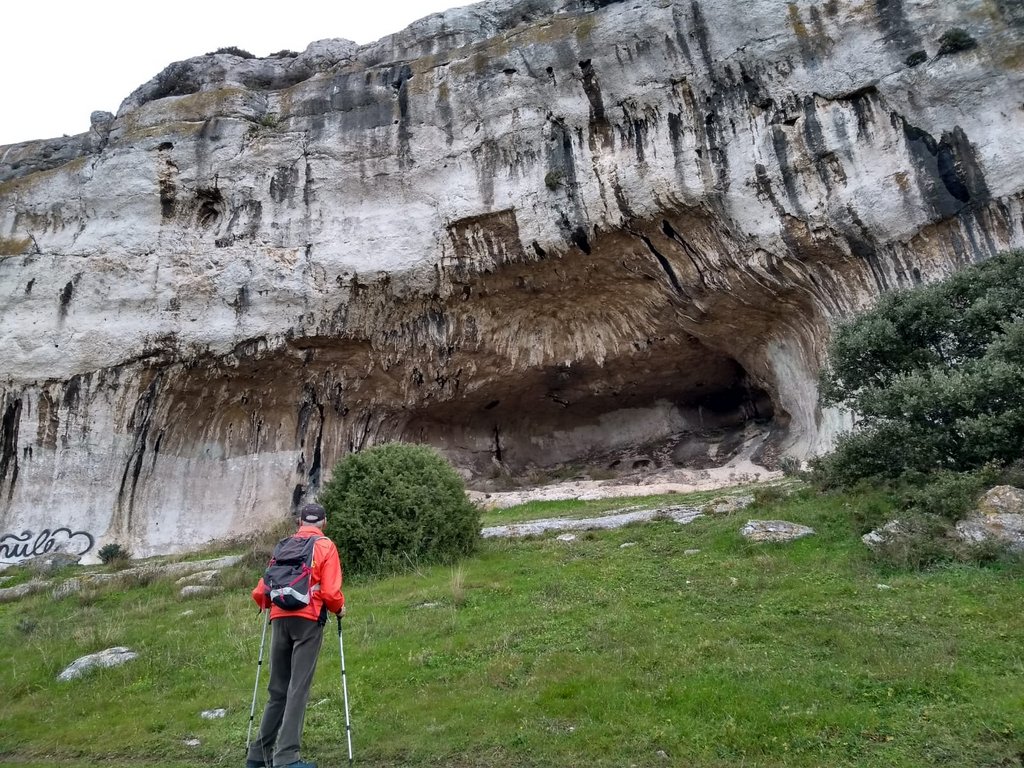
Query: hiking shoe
pixel 255 764
pixel 297 764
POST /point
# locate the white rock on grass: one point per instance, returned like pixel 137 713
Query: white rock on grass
pixel 9 594
pixel 194 566
pixel 213 714
pixel 679 514
pixel 725 505
pixel 774 530
pixel 897 531
pixel 66 588
pixel 111 657
pixel 198 591
pixel 200 577
pixel 566 537
pixel 999 518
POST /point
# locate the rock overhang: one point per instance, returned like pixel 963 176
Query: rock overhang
pixel 522 231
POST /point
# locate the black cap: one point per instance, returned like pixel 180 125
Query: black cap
pixel 312 513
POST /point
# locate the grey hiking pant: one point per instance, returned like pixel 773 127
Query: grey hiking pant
pixel 293 653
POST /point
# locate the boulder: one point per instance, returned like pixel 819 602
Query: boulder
pixel 1002 500
pixel 111 657
pixel 887 534
pixel 50 563
pixel 998 518
pixel 725 505
pixel 66 588
pixel 678 513
pixel 901 529
pixel 198 591
pixel 774 530
pixel 200 577
pixel 10 594
pixel 189 567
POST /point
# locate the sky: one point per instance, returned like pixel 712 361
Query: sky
pixel 64 59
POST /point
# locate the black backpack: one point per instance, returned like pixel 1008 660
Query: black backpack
pixel 289 573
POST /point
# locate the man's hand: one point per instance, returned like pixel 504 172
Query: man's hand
pixel 341 613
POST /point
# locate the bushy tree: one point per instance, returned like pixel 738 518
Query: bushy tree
pixel 934 375
pixel 114 554
pixel 398 505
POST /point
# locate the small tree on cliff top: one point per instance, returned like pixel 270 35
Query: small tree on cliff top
pixel 396 505
pixel 935 376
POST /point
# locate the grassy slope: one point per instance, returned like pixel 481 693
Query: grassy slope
pixel 545 653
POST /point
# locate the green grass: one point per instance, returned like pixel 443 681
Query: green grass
pixel 543 653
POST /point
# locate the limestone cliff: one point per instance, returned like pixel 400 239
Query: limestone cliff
pixel 526 232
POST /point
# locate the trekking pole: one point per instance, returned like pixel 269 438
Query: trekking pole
pixel 344 687
pixel 259 665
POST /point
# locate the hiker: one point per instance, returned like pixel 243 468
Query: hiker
pixel 294 647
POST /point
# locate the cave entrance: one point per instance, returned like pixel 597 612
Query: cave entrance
pixel 667 405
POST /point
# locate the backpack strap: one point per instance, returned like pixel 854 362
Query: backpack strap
pixel 312 556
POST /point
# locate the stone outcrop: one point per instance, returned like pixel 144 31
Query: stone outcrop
pixel 679 514
pixel 998 519
pixel 526 232
pixel 202 574
pixel 774 530
pixel 111 657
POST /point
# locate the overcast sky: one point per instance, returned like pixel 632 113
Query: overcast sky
pixel 63 59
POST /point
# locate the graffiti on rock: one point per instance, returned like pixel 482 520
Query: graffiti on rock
pixel 15 547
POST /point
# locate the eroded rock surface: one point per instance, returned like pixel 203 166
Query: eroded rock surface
pixel 679 514
pixel 111 657
pixel 526 232
pixel 999 518
pixel 774 530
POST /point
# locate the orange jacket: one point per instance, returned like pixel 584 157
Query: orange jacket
pixel 326 573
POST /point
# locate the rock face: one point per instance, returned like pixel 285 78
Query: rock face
pixel 525 232
pixel 999 518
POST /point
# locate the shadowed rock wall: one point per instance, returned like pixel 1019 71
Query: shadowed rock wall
pixel 526 232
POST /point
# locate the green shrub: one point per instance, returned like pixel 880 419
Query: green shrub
pixel 114 554
pixel 768 496
pixel 396 506
pixel 233 50
pixel 1012 474
pixel 922 543
pixel 27 625
pixel 935 376
pixel 947 495
pixel 916 58
pixel 955 40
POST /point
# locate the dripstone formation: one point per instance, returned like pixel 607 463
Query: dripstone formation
pixel 527 233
